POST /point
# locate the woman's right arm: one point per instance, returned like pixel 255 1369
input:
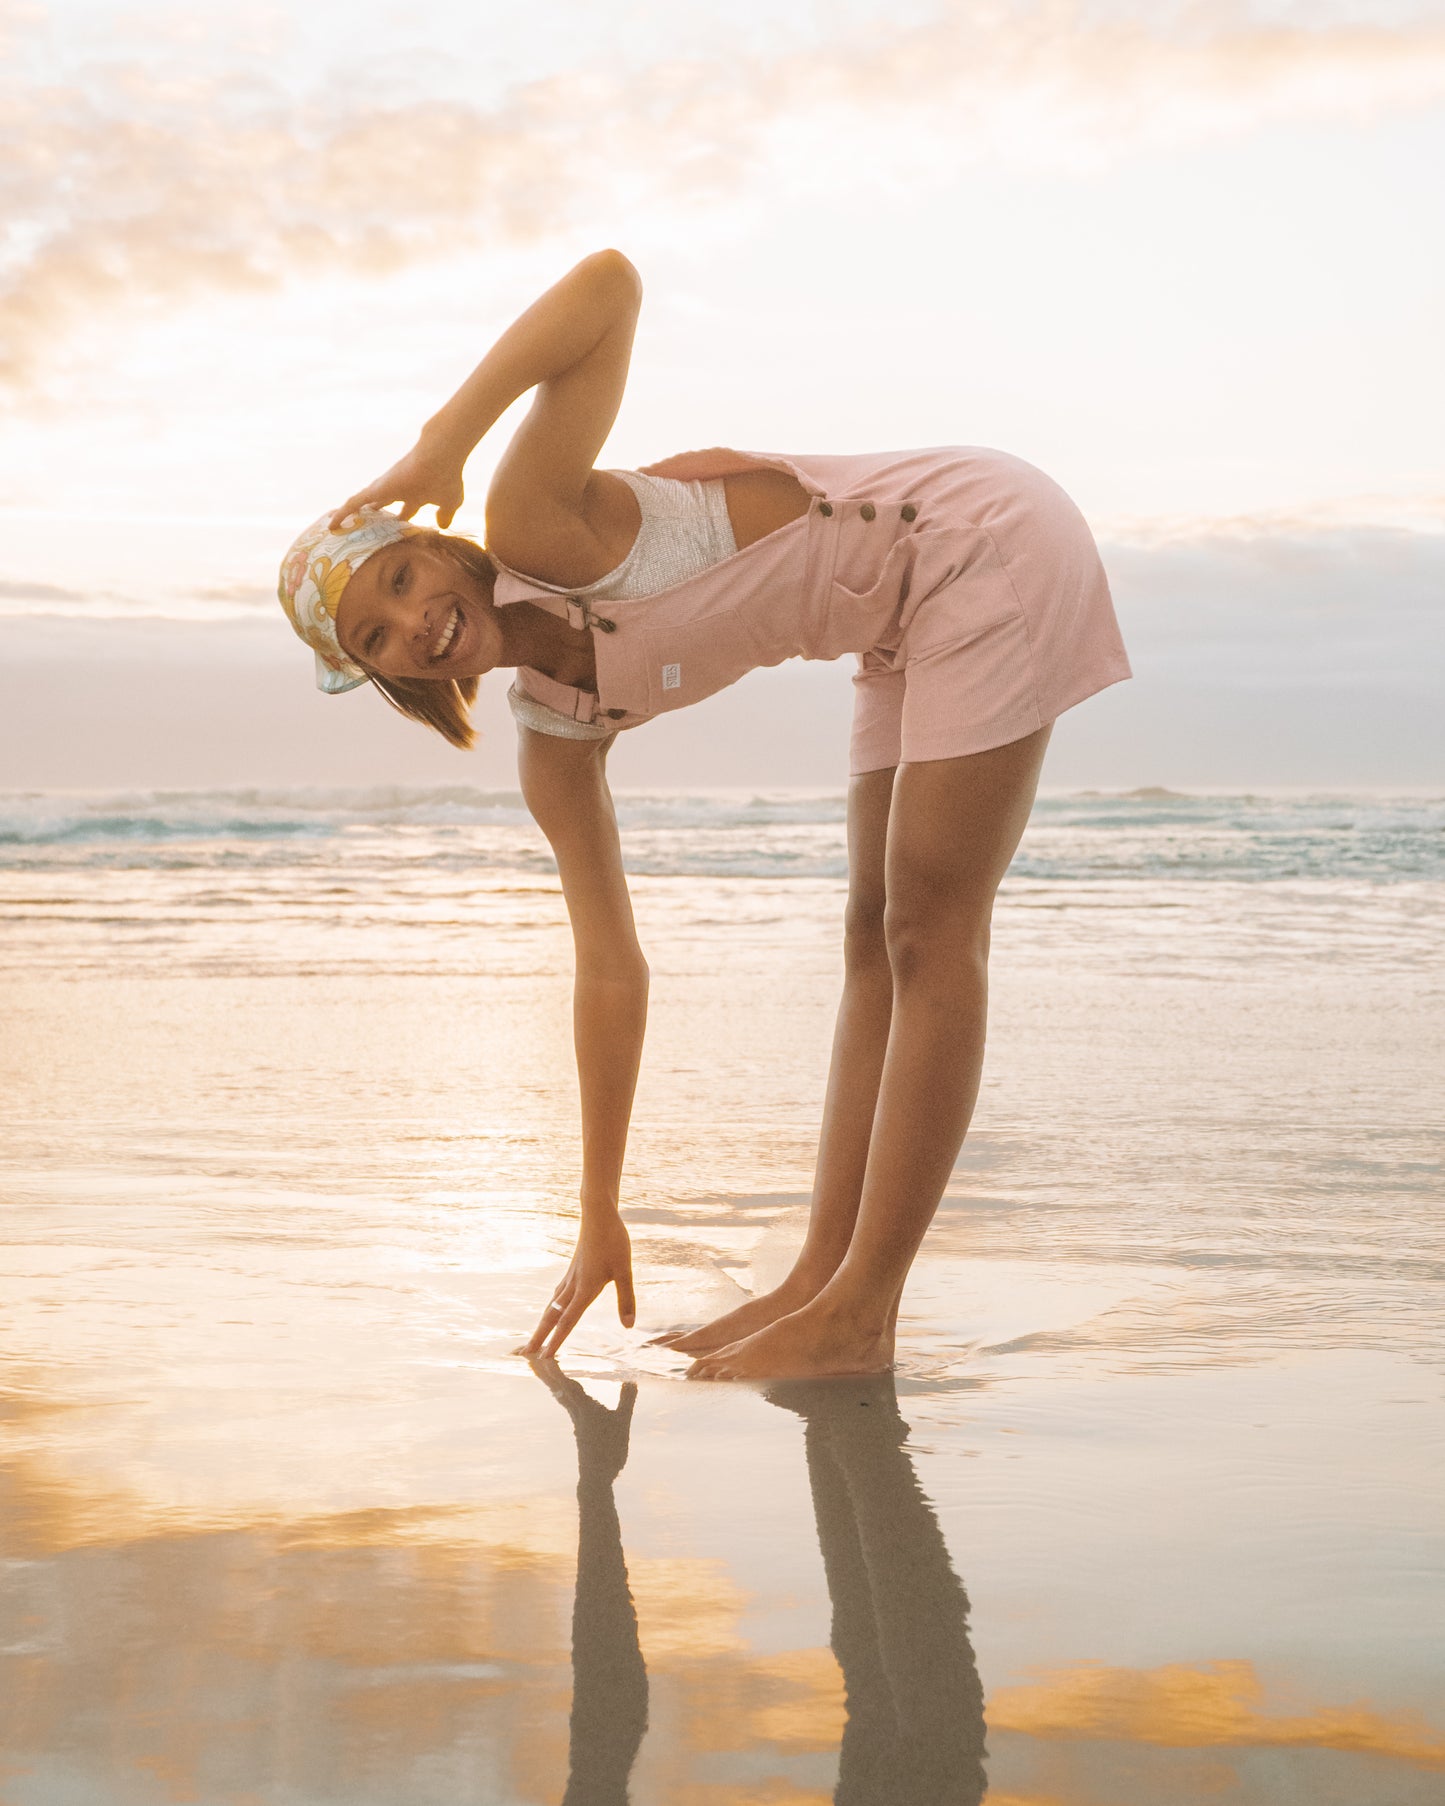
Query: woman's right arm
pixel 564 783
pixel 573 345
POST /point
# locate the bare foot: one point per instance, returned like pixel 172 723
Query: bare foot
pixel 745 1320
pixel 811 1342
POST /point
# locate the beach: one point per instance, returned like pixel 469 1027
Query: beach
pixel 1152 1509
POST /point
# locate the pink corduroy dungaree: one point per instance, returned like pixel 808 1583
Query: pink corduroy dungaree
pixel 965 581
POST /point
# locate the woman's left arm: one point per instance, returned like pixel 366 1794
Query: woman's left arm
pixel 565 786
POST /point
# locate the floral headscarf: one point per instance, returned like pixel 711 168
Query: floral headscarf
pixel 314 572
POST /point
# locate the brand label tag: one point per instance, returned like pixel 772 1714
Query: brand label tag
pixel 672 677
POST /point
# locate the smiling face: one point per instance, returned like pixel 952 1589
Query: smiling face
pixel 413 610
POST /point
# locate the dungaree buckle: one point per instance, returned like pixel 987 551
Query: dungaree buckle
pixel 584 608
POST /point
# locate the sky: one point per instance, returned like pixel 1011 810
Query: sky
pixel 1185 256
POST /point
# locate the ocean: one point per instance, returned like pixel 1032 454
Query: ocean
pixel 1152 1509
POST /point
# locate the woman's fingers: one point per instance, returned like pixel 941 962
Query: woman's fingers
pixel 376 497
pixel 413 491
pixel 448 502
pixel 352 505
pixel 566 1323
pixel 550 1318
pixel 569 1304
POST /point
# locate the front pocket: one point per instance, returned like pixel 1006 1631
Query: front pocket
pixel 851 617
pixel 862 579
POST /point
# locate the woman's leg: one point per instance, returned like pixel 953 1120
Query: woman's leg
pixel 859 1043
pixel 953 828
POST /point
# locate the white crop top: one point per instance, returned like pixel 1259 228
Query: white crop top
pixel 685 530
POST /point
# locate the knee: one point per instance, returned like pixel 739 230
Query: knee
pixel 865 941
pixel 938 938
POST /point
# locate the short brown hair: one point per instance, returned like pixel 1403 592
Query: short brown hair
pixel 443 703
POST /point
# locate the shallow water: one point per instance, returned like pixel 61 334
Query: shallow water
pixel 289 1151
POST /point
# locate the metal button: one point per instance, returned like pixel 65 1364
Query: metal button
pixel 909 511
pixel 868 511
pixel 825 507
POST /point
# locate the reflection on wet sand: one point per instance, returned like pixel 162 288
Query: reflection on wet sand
pixel 915 1729
pixel 609 1677
pixel 155 1648
pixel 161 1650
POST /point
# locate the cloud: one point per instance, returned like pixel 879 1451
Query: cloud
pixel 155 181
pixel 150 193
pixel 39 592
pixel 198 603
pixel 256 594
pixel 237 599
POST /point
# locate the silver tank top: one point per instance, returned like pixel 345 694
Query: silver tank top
pixel 685 530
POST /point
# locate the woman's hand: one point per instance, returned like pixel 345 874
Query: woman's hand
pixel 428 474
pixel 603 1257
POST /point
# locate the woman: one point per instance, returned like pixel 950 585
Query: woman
pixel 970 589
